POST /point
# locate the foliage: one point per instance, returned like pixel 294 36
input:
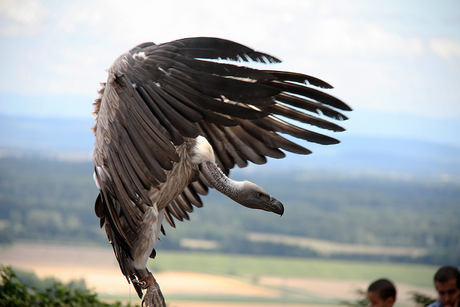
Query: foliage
pixel 421 299
pixel 32 280
pixel 252 265
pixel 15 293
pixel 361 301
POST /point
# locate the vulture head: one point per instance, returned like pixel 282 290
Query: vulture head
pixel 252 196
pixel 245 192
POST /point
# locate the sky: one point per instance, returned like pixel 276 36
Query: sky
pixel 397 63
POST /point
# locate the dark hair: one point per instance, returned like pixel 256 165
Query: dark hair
pixel 384 288
pixel 446 273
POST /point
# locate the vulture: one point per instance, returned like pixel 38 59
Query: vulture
pixel 174 118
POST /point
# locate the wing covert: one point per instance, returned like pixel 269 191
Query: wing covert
pixel 156 96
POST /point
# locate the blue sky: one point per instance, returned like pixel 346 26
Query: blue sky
pixel 397 63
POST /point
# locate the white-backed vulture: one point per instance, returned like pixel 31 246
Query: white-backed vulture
pixel 172 120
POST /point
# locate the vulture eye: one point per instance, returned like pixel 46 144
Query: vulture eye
pixel 259 195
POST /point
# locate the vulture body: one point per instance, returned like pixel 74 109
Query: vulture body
pixel 172 120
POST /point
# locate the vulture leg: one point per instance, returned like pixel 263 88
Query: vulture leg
pixel 153 296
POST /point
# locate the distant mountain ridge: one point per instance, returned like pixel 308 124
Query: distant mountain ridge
pixel 46 136
pixel 71 138
pixel 379 154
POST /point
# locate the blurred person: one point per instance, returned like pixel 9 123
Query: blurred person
pixel 381 293
pixel 447 284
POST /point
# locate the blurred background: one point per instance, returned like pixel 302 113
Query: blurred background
pixel 383 203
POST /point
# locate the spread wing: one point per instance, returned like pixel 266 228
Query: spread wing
pixel 157 95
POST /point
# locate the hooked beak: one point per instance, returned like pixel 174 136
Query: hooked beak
pixel 276 206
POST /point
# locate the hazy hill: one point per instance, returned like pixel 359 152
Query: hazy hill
pixel 72 138
pixel 45 135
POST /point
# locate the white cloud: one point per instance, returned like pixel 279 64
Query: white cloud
pixel 21 16
pixel 23 11
pixel 339 35
pixel 167 20
pixel 445 48
pixel 373 60
pixel 78 71
pixel 87 13
pixel 82 56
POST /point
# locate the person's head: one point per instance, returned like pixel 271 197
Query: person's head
pixel 381 293
pixel 447 284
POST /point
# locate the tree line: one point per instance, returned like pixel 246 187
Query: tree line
pixel 53 200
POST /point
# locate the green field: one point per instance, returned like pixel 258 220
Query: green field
pixel 224 278
pixel 253 266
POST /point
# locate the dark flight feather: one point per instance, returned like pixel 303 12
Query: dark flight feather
pixel 157 96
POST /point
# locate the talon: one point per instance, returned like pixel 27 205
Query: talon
pixel 153 296
pixel 147 281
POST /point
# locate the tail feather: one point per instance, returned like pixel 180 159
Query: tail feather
pixel 124 261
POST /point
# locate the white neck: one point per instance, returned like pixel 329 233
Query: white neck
pixel 221 182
